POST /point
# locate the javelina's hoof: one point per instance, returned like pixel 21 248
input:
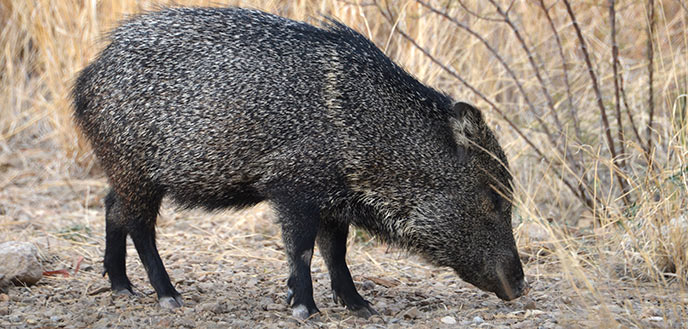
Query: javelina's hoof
pixel 302 312
pixel 123 292
pixel 364 312
pixel 354 303
pixel 171 302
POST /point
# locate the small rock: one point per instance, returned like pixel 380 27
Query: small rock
pixel 274 307
pixel 367 285
pixel 412 313
pixel 530 313
pixel 478 320
pixel 448 320
pixel 530 305
pixel 217 308
pixel 195 297
pixel 19 263
pixel 4 298
pixel 656 318
pixel 183 322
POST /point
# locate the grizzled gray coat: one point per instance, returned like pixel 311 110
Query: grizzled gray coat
pixel 229 107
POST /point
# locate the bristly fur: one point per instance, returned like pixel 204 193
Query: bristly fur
pixel 227 107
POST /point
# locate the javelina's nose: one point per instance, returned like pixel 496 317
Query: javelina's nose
pixel 514 286
pixel 522 288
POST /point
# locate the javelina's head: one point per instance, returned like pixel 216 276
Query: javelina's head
pixel 465 221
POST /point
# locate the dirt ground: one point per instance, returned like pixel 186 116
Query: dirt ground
pixel 231 271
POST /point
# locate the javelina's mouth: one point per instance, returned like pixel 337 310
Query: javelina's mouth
pixel 509 291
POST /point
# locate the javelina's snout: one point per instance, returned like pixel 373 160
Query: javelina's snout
pixel 512 283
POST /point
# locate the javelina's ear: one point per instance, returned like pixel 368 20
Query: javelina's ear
pixel 466 123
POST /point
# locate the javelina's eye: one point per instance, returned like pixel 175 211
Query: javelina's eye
pixel 496 199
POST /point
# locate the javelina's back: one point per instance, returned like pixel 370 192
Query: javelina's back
pixel 201 100
pixel 228 107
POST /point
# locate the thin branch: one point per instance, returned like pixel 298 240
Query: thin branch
pixel 569 96
pixel 650 68
pixel 473 13
pixel 506 66
pixel 522 41
pixel 582 196
pixel 617 100
pixel 577 164
pixel 630 115
pixel 600 104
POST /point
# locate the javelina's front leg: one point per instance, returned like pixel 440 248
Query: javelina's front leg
pixel 299 228
pixel 332 244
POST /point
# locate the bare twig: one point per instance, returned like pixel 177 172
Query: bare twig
pixel 569 96
pixel 617 100
pixel 506 66
pixel 603 112
pixel 476 15
pixel 576 164
pixel 630 115
pixel 650 69
pixel 531 60
pixel 582 196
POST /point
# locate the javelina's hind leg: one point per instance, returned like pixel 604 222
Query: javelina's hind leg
pixel 332 244
pixel 141 225
pixel 299 228
pixel 115 246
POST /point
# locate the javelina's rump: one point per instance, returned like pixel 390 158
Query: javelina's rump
pixel 221 108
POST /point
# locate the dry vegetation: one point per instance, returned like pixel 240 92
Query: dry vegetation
pixel 591 111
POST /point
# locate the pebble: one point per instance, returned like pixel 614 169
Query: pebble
pixel 367 285
pixel 448 320
pixel 19 263
pixel 656 318
pixel 274 307
pixel 412 313
pixel 530 305
pixel 478 320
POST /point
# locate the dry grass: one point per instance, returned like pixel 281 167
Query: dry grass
pixel 536 91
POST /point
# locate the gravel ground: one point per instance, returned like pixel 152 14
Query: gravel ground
pixel 231 271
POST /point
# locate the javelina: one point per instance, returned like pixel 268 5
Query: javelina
pixel 225 108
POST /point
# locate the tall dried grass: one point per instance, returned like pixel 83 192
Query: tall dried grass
pixel 588 98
